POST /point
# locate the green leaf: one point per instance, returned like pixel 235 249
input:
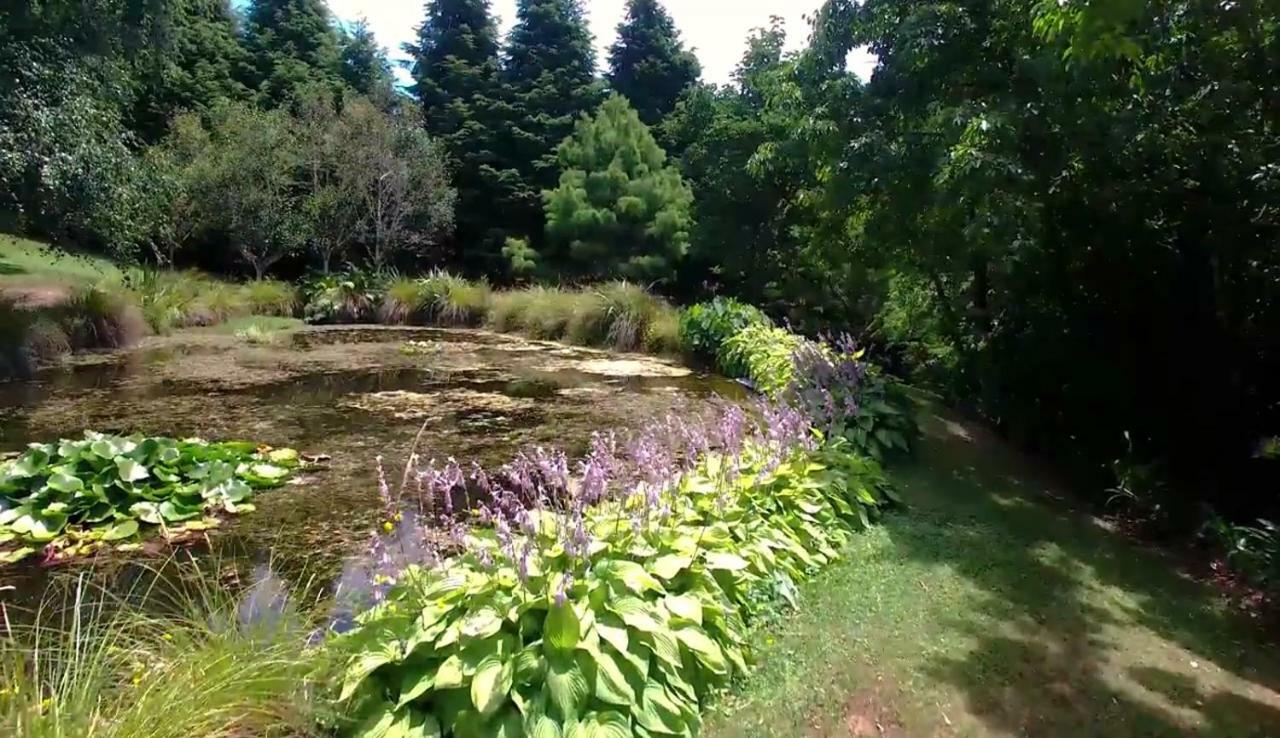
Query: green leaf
pixel 659 712
pixel 449 675
pixel 636 613
pixel 725 561
pixel 481 624
pixel 567 685
pixel 130 470
pixel 705 649
pixel 490 685
pixel 630 574
pixel 606 724
pixel 541 726
pixel 562 627
pixel 64 482
pixel 120 531
pixel 612 631
pixel 684 606
pixel 611 684
pixel 416 681
pixel 269 471
pixel 668 567
pixel 361 666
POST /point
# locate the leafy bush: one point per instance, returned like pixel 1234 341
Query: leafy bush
pixel 351 297
pixel 74 496
pixel 97 317
pixel 705 327
pixel 761 354
pixel 610 615
pixel 271 297
pixel 1252 550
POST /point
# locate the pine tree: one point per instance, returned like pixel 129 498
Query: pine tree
pixel 648 64
pixel 620 209
pixel 549 81
pixel 199 65
pixel 365 68
pixel 294 45
pixel 456 79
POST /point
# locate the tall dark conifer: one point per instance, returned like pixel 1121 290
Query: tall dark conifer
pixel 365 68
pixel 549 82
pixel 294 45
pixel 648 64
pixel 456 79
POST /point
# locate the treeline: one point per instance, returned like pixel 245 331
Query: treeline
pixel 1061 215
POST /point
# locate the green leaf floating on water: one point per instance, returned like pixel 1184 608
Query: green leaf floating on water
pixel 73 495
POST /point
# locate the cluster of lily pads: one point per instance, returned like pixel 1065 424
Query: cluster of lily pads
pixel 74 497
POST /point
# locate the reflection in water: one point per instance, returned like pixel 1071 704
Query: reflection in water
pixel 349 393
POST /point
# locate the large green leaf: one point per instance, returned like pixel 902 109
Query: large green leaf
pixel 130 470
pixel 611 684
pixel 561 629
pixel 61 481
pixel 567 685
pixel 491 684
pixel 629 574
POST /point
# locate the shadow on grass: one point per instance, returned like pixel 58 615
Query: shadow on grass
pixel 1096 635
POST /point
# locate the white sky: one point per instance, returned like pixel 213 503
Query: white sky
pixel 715 29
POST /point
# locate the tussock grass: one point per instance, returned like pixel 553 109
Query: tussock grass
pixel 271 297
pixel 215 664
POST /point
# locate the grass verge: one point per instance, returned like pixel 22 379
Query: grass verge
pixel 992 609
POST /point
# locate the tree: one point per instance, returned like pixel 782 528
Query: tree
pixel 364 66
pixel 620 210
pixel 293 45
pixel 648 64
pixel 245 176
pixel 400 177
pixel 549 78
pixel 456 78
pixel 200 61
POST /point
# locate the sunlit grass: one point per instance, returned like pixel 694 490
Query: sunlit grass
pixel 165 662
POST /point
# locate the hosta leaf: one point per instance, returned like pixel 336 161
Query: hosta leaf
pixel 361 666
pixel 628 573
pixel 490 685
pixel 659 711
pixel 636 613
pixel 612 631
pixel 567 686
pixel 562 627
pixel 449 675
pixel 725 561
pixel 607 724
pixel 415 681
pixel 684 606
pixel 541 726
pixel 669 566
pixel 482 623
pixel 611 684
pixel 705 649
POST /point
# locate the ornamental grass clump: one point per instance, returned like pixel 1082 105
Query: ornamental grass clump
pixel 609 595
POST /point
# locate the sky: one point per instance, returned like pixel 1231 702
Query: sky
pixel 715 29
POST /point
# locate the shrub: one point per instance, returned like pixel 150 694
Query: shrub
pixel 507 310
pixel 1252 550
pixel 761 354
pixel 72 497
pixel 98 317
pixel 271 297
pixel 464 304
pixel 617 610
pixel 216 302
pixel 663 334
pixel 404 302
pixel 705 327
pixel 351 297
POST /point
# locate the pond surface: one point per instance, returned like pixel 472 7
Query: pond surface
pixel 353 393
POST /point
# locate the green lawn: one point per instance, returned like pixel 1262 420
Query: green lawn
pixel 24 262
pixel 990 608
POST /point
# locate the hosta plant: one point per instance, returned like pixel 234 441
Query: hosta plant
pixel 75 496
pixel 610 601
pixel 705 327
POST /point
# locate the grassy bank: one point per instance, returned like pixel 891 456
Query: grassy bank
pixel 991 609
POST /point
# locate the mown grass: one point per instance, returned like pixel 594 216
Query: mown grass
pixel 24 261
pixel 990 608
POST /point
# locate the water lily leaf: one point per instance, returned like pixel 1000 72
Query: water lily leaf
pixel 147 512
pixel 269 471
pixel 64 482
pixel 130 470
pixel 283 456
pixel 121 530
pixel 174 512
pixel 39 527
pixel 28 465
pixel 16 555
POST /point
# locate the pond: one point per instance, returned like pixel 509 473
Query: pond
pixel 352 393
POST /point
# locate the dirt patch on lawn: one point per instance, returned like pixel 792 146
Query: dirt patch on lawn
pixel 868 713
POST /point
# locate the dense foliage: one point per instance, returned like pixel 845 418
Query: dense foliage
pixel 619 209
pixel 72 497
pixel 648 65
pixel 611 598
